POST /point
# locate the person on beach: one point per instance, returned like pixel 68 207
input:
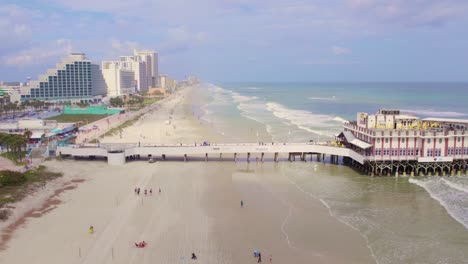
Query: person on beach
pixel 242 203
pixel 151 191
pixel 138 191
pixel 259 257
pixel 159 190
pixel 146 192
pixel 194 257
pixel 91 229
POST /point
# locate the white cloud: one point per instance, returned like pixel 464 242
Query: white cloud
pixel 182 38
pixel 15 27
pixel 408 13
pixel 39 54
pixel 337 50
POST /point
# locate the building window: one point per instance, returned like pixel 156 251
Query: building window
pixel 465 152
pixel 394 152
pixel 459 139
pixel 403 140
pixel 450 151
pixel 428 141
pixel 378 152
pixel 386 140
pixel 438 152
pixel 429 152
pixel 402 152
pixel 440 141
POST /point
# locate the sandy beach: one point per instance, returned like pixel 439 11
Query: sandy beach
pixel 198 209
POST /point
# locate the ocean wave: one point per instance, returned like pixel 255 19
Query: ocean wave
pixel 323 98
pixel 454 200
pixel 238 98
pixel 455 185
pixel 433 113
pixel 254 88
pixel 339 119
pixel 302 118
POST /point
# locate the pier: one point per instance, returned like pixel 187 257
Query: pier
pixel 118 154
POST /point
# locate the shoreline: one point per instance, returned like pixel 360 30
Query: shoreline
pixel 198 209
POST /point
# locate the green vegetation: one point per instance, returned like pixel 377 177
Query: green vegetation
pixel 117 129
pixel 14 186
pixel 15 145
pixel 15 156
pixel 151 100
pixel 87 119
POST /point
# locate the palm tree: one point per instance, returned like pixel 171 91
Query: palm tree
pixel 27 134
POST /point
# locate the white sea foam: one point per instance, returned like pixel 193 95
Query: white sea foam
pixel 254 88
pixel 433 113
pixel 453 199
pixel 238 98
pixel 304 119
pixel 323 98
pixel 455 185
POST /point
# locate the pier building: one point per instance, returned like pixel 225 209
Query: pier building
pixel 396 143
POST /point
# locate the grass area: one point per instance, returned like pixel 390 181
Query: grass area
pixel 20 185
pixel 152 100
pixel 12 157
pixel 117 129
pixel 76 118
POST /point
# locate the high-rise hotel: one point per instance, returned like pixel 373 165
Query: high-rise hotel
pixel 75 79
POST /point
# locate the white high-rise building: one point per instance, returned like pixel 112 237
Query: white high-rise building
pixel 139 68
pixel 75 79
pixel 119 81
pixel 152 68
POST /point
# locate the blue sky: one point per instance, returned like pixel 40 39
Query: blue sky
pixel 245 40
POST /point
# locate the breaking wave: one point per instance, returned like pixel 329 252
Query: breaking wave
pixel 450 192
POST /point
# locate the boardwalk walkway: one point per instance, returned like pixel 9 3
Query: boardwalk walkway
pixel 118 153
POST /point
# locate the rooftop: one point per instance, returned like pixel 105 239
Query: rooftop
pixel 446 120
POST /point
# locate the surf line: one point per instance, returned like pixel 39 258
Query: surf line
pixel 335 216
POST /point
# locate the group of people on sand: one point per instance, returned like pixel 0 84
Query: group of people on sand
pixel 137 191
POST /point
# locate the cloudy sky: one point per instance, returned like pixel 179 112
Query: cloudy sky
pixel 245 40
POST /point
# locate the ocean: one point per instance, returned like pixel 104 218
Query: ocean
pixel 404 220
